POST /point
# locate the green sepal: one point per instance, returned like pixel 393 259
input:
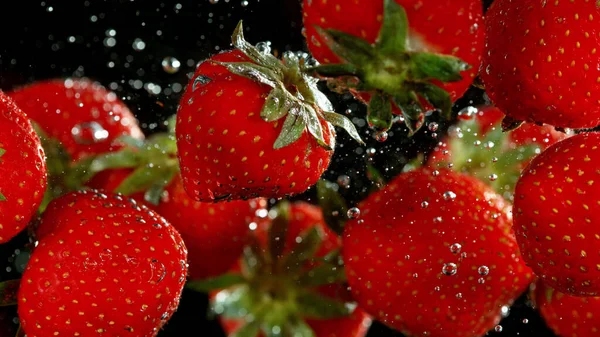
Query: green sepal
pixel 239 42
pixel 510 124
pixel 143 178
pixel 130 141
pixel 314 127
pixel 301 329
pixel 253 259
pixel 352 49
pixel 171 124
pixel 233 302
pixel 344 123
pixel 415 163
pixel 325 273
pixel 428 66
pixel 304 250
pixel 379 114
pixel 333 205
pixel 216 283
pixel 292 130
pixel 393 35
pixel 411 110
pixel 2 152
pixel 20 332
pixel 253 71
pixel 8 292
pixel 154 193
pixel 375 176
pixel 336 70
pixel 2 197
pixel 278 231
pixel 437 97
pixel 316 306
pixel 276 105
pixel 85 169
pixel 248 329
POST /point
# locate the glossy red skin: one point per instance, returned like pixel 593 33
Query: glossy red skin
pixel 304 216
pixel 397 249
pixel 544 72
pixel 226 150
pixel 568 316
pixel 22 168
pixel 103 265
pixel 451 27
pixel 555 211
pixel 59 105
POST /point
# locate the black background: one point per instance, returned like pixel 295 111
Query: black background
pixel 47 39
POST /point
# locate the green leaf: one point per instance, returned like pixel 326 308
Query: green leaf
pixel 304 250
pixel 252 71
pixel 233 302
pixel 292 129
pixel 428 66
pixel 437 97
pixel 344 123
pixel 393 35
pixel 333 205
pixel 326 273
pixel 316 306
pixel 8 292
pixel 412 111
pixel 301 329
pixel 335 70
pixel 160 144
pixel 375 176
pixel 278 230
pixel 380 112
pixel 220 282
pixel 252 52
pixel 154 193
pixel 276 105
pixel 352 49
pixel 314 127
pixel 249 329
pixel 85 169
pixel 2 197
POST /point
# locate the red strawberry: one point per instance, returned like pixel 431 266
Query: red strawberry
pixel 104 265
pixel 440 241
pixel 568 316
pixel 540 63
pixel 81 114
pixel 395 48
pixel 478 146
pixel 556 206
pixel 22 168
pixel 255 126
pixel 290 281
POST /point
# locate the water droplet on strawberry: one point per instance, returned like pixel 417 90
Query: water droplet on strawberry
pixel 449 195
pixel 424 204
pixel 455 248
pixel 483 270
pixel 200 81
pixel 449 269
pixel 481 280
pixel 87 133
pixel 353 213
pixel 158 271
pixel 459 295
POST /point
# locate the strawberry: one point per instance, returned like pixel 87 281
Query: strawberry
pixel 478 146
pixel 555 205
pixel 568 316
pixel 440 241
pixel 251 125
pixel 81 114
pixel 540 61
pixel 407 55
pixel 104 265
pixel 22 168
pixel 289 280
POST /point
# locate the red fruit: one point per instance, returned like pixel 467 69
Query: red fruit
pixel 556 203
pixel 568 316
pixel 540 63
pixel 109 180
pixel 81 114
pixel 442 243
pixel 22 168
pixel 104 265
pixel 238 138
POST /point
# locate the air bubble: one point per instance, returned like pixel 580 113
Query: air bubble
pixel 483 270
pixel 455 248
pixel 449 195
pixel 344 181
pixel 171 65
pixel 353 213
pixel 449 269
pixel 89 133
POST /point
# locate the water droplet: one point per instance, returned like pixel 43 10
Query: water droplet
pixel 437 288
pixel 498 328
pixel 493 177
pixel 477 143
pixel 244 3
pixel 483 270
pixel 371 152
pixel 407 257
pixel 343 181
pixel 438 219
pixel 264 47
pixel 424 204
pixel 459 295
pixel 455 248
pixel 467 113
pixel 449 195
pixel 433 126
pixel 200 81
pixel 353 213
pixel 505 311
pixel 435 173
pixel 89 133
pixel 138 44
pixel 158 271
pixel 381 136
pixel 415 275
pixel 170 64
pixel 481 280
pixel 449 269
pixel 525 321
pixel 213 1
pixel 494 159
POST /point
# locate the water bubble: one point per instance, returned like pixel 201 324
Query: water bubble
pixel 493 177
pixel 200 81
pixel 467 113
pixel 505 311
pixel 498 328
pixel 455 248
pixel 483 270
pixel 438 219
pixel 264 47
pixel 344 181
pixel 415 275
pixel 353 213
pixel 244 3
pixel 477 143
pixel 89 133
pixel 371 152
pixel 494 159
pixel 449 269
pixel 407 257
pixel 525 321
pixel 170 64
pixel 489 145
pixel 435 173
pixel 110 42
pixel 459 295
pixel 158 271
pixel 437 288
pixel 381 136
pixel 481 280
pixel 138 44
pixel 213 1
pixel 433 126
pixel 449 195
pixel 424 204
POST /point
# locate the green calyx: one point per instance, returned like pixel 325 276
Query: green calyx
pixel 391 72
pixel 275 292
pixel 493 157
pixel 294 95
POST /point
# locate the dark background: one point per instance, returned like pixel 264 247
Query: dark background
pixel 47 39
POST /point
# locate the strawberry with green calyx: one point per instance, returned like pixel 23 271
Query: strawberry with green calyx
pixel 394 65
pixel 477 145
pixel 251 125
pixel 289 280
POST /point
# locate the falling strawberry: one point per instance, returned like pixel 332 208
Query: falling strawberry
pixel 22 168
pixel 568 316
pixel 433 254
pixel 478 146
pixel 555 209
pixel 251 125
pixel 398 54
pixel 104 265
pixel 540 63
pixel 289 280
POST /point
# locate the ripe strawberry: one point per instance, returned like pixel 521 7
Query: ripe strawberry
pixel 290 280
pixel 568 316
pixel 232 138
pixel 399 50
pixel 442 242
pixel 540 63
pixel 478 146
pixel 22 168
pixel 104 265
pixel 556 205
